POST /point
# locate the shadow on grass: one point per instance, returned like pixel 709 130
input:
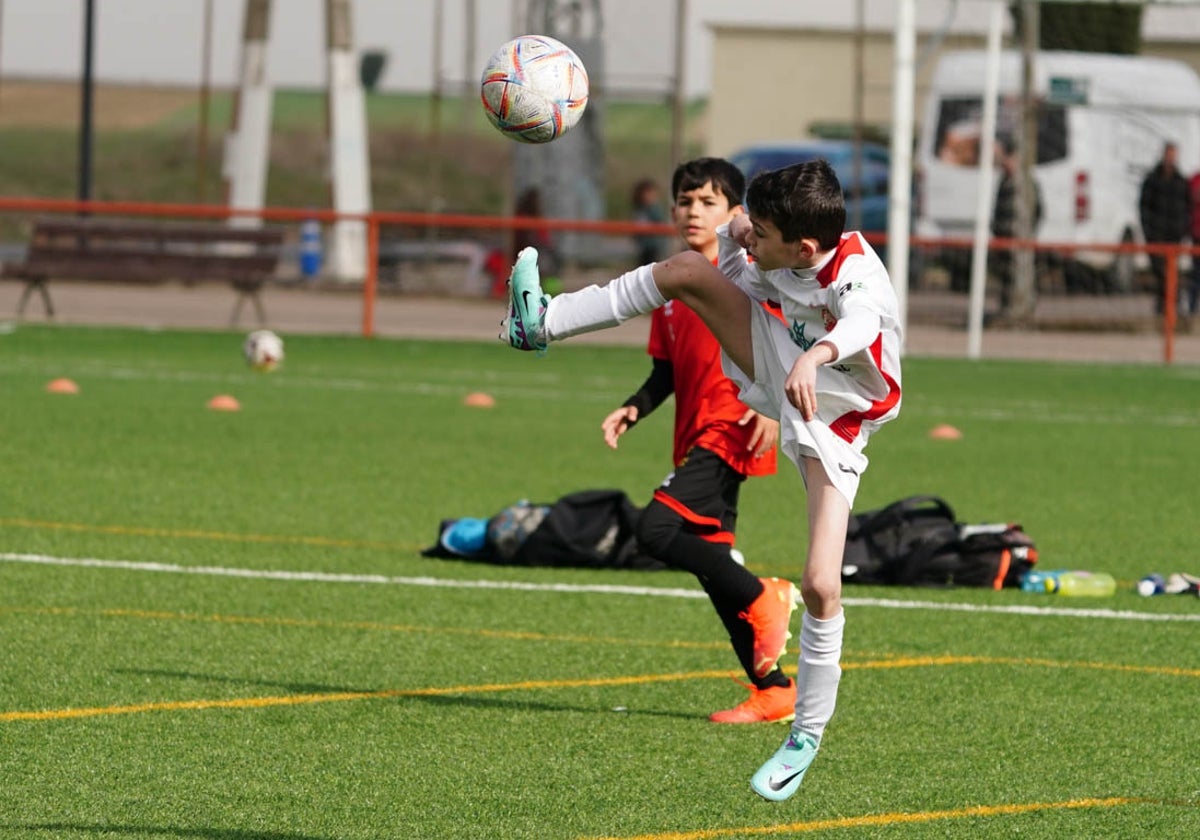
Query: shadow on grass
pixel 159 830
pixel 294 688
pixel 538 706
pixel 466 699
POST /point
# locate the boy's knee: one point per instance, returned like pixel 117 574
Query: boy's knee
pixel 822 594
pixel 683 271
pixel 656 528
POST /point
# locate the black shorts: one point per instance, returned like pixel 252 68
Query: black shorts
pixel 704 491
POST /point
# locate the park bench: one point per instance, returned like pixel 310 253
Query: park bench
pixel 474 280
pixel 116 250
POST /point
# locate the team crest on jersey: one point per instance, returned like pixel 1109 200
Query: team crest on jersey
pixel 799 338
pixel 827 319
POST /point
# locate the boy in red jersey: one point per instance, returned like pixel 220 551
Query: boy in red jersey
pixel 689 524
pixel 830 373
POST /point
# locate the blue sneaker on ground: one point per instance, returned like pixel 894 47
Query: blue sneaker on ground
pixel 526 303
pixel 781 776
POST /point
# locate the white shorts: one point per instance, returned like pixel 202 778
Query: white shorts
pixel 774 355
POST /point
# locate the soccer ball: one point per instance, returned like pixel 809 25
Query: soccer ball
pixel 534 89
pixel 263 350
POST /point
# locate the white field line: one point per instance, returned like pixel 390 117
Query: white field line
pixel 602 589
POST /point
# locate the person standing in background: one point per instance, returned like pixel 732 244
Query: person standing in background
pixel 647 207
pixel 529 205
pixel 1165 208
pixel 1004 217
pixel 1192 299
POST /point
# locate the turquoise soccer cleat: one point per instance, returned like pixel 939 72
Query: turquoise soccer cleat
pixel 781 776
pixel 526 303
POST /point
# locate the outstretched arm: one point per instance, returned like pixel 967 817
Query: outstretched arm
pixel 659 385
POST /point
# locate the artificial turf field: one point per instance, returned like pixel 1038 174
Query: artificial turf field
pixel 218 625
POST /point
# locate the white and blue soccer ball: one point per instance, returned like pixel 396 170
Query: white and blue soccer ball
pixel 534 89
pixel 263 350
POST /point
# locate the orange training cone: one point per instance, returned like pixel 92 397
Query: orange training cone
pixel 945 432
pixel 478 399
pixel 224 402
pixel 62 386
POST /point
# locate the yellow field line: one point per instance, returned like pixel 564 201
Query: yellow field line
pixel 343 696
pixel 519 635
pixel 532 685
pixel 925 661
pixel 896 818
pixel 193 534
pixel 891 661
pixel 885 661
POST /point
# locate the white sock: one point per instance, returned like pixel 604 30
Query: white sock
pixel 819 673
pixel 600 307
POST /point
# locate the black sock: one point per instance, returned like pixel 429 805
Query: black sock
pixel 730 587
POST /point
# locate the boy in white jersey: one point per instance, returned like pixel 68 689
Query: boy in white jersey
pixel 830 374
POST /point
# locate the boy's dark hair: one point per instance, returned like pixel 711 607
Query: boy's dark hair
pixel 726 178
pixel 802 200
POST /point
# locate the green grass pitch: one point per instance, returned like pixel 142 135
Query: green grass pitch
pixel 217 625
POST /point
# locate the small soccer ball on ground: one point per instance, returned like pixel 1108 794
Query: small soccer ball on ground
pixel 534 89
pixel 263 350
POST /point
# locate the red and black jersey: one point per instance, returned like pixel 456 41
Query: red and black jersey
pixel 707 408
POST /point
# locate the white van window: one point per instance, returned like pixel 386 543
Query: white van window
pixel 956 140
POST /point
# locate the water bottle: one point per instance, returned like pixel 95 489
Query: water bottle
pixel 1084 584
pixel 1151 585
pixel 1039 581
pixel 310 248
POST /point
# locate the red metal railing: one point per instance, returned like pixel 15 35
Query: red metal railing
pixel 375 220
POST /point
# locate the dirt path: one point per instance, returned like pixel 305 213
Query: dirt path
pixel 299 310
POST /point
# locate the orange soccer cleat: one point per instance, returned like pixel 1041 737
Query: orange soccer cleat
pixel 764 705
pixel 769 616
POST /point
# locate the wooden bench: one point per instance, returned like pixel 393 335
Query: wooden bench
pixel 116 250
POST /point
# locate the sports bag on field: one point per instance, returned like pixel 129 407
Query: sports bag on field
pixel 588 528
pixel 918 542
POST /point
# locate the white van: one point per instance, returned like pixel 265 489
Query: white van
pixel 1102 123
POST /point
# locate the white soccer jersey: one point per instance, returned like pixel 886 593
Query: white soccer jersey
pixel 858 392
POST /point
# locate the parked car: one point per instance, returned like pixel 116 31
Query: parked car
pixel 866 195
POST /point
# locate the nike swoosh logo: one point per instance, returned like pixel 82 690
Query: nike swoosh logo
pixel 525 299
pixel 779 783
pixel 846 469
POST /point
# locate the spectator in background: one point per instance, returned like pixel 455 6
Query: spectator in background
pixel 529 205
pixel 1165 208
pixel 1193 295
pixel 1004 216
pixel 959 144
pixel 647 207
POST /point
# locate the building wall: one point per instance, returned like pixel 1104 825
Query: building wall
pixel 775 84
